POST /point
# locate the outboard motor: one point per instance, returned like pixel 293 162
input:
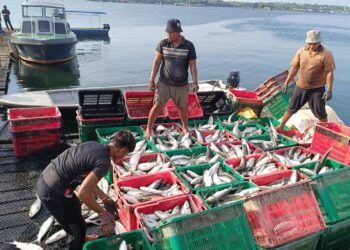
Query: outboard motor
pixel 233 79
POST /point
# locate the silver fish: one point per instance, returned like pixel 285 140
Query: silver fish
pixel 123 246
pixel 56 237
pixel 25 246
pixel 45 227
pixel 35 207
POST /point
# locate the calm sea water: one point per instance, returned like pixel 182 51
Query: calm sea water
pixel 258 43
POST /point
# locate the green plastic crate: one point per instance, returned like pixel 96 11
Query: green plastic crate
pixel 265 121
pixel 199 169
pixel 307 243
pixel 278 102
pixel 208 191
pixel 197 122
pixel 335 237
pixel 284 141
pixel 194 151
pixel 332 190
pixel 135 240
pixel 102 132
pixel 224 227
pixel 87 132
pixel 253 124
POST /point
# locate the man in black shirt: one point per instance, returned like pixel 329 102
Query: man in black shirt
pixel 174 55
pixel 82 165
pixel 6 14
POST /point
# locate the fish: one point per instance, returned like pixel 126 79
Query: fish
pixel 56 237
pixel 103 185
pixel 320 164
pixel 45 227
pixel 25 246
pixel 123 246
pixel 119 228
pixel 35 207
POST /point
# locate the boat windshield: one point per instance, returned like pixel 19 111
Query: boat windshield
pixel 43 11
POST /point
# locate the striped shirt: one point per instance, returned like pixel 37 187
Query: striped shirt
pixel 175 62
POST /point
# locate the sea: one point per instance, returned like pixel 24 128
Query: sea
pixel 258 43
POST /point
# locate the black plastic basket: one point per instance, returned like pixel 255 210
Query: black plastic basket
pixel 214 103
pixel 101 103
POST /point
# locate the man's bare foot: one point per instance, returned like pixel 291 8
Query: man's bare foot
pixel 280 130
pixel 147 134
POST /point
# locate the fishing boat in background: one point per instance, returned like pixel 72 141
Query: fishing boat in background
pixel 95 30
pixel 44 35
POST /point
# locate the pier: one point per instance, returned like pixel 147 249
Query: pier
pixel 4 61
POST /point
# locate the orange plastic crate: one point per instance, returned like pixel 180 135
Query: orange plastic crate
pixel 34 118
pixel 284 214
pixel 139 103
pixel 194 108
pixel 332 135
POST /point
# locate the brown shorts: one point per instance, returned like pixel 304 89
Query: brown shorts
pixel 164 92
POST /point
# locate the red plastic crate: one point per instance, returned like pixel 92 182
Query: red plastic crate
pixel 26 144
pixel 335 136
pixel 244 98
pixel 95 121
pixel 139 103
pixel 234 163
pixel 34 118
pixel 164 205
pixel 126 210
pixel 284 214
pixel 275 176
pixel 228 137
pixel 194 108
pixel 144 158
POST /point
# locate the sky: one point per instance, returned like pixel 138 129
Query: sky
pixel 321 2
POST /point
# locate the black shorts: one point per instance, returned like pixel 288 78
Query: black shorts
pixel 313 97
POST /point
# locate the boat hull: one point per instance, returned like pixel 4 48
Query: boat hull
pixel 45 53
pixel 90 32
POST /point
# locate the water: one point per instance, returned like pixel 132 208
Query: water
pixel 258 43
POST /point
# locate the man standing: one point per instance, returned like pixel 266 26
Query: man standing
pixel 6 14
pixel 174 55
pixel 82 165
pixel 315 65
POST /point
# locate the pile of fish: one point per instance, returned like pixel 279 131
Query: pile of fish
pixel 294 178
pixel 141 147
pixel 320 166
pixel 254 167
pixel 111 136
pixel 158 188
pixel 227 195
pixel 294 156
pixel 159 129
pixel 152 220
pixel 246 131
pixel 230 150
pixel 170 143
pixel 215 175
pixel 214 136
pixel 210 125
pixel 184 160
pixel 133 166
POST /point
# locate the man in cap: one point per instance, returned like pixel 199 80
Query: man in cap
pixel 6 14
pixel 173 56
pixel 315 65
pixel 82 165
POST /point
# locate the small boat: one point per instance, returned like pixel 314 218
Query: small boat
pixel 95 30
pixel 44 35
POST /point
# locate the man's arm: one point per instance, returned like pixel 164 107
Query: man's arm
pixel 193 69
pixel 329 81
pixel 87 193
pixel 155 67
pixel 291 74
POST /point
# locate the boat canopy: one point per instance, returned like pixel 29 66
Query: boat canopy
pixel 86 12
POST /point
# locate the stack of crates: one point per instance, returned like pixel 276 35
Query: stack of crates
pixel 214 103
pixel 270 93
pixel 99 108
pixel 245 99
pixel 34 129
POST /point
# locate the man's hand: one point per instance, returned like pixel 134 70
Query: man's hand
pixel 285 88
pixel 327 95
pixel 152 85
pixel 107 223
pixel 110 206
pixel 195 86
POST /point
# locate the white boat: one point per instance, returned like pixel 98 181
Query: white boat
pixel 44 35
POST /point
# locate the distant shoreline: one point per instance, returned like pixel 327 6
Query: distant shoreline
pixel 258 5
